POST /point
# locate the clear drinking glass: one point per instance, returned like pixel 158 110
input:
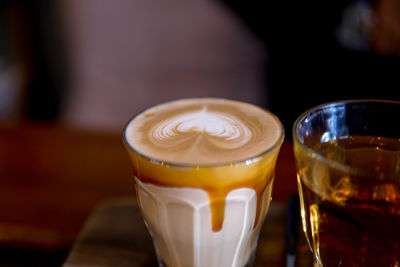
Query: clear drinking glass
pixel 203 214
pixel 348 172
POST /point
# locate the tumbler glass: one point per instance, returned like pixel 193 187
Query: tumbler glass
pixel 348 172
pixel 202 194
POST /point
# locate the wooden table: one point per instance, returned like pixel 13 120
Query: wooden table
pixel 52 177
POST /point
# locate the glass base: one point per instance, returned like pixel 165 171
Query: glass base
pixel 250 263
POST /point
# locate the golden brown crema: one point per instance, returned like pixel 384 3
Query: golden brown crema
pixel 217 145
pixel 205 131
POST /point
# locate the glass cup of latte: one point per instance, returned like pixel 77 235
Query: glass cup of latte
pixel 204 169
pixel 348 172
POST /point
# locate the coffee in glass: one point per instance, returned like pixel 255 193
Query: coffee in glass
pixel 204 170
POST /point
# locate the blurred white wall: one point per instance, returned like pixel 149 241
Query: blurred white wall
pixel 127 55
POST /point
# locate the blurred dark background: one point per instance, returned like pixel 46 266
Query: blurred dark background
pixel 93 64
pixel 90 65
pixel 326 51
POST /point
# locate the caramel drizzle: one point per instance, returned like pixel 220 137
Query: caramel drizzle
pixel 217 207
pixel 217 195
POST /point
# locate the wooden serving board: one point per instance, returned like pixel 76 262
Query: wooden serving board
pixel 115 235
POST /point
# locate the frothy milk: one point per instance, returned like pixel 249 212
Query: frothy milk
pixel 204 170
pixel 203 131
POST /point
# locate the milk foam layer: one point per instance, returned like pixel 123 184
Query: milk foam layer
pixel 203 131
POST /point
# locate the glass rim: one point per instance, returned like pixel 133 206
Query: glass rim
pixel 239 162
pixel 333 163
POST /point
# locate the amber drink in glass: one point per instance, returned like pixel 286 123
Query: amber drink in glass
pixel 348 164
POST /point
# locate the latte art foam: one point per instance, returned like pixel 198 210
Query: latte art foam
pixel 223 130
pixel 203 131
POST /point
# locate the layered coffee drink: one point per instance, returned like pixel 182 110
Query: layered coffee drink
pixel 204 170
